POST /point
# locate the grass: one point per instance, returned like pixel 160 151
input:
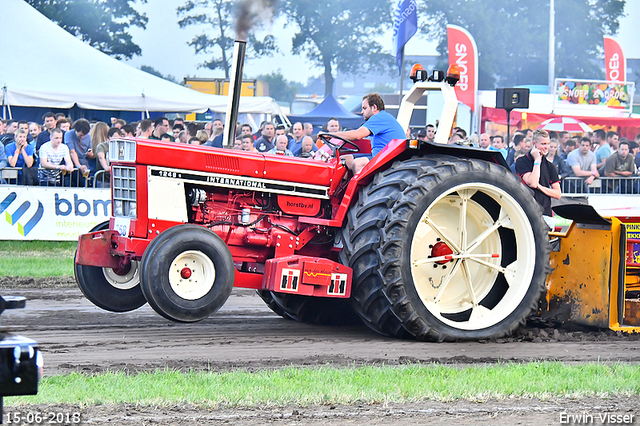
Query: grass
pixel 326 385
pixel 36 258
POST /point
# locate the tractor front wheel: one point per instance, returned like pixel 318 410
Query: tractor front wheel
pixel 110 289
pixel 187 273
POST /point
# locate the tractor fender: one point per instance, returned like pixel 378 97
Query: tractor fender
pixel 401 150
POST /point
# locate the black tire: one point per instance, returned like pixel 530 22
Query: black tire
pixel 108 289
pixel 316 310
pixel 184 298
pixel 267 298
pixel 389 228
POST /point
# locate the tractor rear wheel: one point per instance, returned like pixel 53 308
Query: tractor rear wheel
pixel 110 289
pixel 187 273
pixel 446 248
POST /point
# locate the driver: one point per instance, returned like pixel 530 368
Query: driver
pixel 379 124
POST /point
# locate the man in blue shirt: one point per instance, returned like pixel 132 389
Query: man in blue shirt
pixel 380 126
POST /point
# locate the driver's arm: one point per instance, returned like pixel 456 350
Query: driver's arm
pixel 354 135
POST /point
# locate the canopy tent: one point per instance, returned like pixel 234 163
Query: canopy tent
pixel 69 72
pixel 328 108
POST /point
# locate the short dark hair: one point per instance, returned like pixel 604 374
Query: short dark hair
pixel 585 139
pixel 633 145
pixel 48 115
pixel 600 134
pixel 160 120
pixel 571 142
pixel 517 139
pixel 128 128
pixel 611 134
pixel 112 131
pixel 247 137
pixel 82 125
pixel 145 125
pixel 374 99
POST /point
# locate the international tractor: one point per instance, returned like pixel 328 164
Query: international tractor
pixel 429 240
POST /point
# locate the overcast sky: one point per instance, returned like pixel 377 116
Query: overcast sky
pixel 164 45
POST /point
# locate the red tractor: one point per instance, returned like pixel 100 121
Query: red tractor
pixel 431 241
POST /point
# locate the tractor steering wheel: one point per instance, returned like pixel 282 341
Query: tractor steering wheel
pixel 326 138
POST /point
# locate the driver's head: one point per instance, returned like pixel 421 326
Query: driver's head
pixel 371 105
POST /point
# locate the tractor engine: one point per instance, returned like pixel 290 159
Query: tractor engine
pixel 260 225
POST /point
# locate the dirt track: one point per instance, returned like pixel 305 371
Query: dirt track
pixel 76 336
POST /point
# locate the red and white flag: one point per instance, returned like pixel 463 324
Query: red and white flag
pixel 464 53
pixel 614 60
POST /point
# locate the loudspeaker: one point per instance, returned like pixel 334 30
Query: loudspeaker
pixel 512 98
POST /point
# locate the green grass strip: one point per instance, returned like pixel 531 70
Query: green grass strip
pixel 37 258
pixel 327 385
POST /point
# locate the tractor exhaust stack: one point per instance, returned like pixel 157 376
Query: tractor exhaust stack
pixel 235 87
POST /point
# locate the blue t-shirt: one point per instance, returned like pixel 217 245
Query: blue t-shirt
pixel 80 147
pixel 383 127
pixel 10 150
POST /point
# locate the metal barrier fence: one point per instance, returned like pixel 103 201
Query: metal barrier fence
pixel 605 185
pixel 75 179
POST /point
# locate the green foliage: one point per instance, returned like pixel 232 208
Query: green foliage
pixel 217 16
pixel 326 385
pixel 340 34
pixel 151 70
pixel 103 24
pixel 279 88
pixel 513 37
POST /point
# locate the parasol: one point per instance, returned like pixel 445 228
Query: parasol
pixel 565 124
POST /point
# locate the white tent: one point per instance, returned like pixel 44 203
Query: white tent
pixel 69 72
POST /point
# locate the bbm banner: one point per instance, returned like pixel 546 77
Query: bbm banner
pixel 53 214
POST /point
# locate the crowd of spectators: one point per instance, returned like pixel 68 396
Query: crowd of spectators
pixel 579 159
pixel 60 151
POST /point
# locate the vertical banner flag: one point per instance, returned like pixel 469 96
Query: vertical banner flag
pixel 614 60
pixel 464 53
pixel 405 25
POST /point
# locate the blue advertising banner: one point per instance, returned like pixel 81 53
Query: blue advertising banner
pixel 51 213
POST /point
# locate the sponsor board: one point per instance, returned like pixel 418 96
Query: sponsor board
pixel 53 214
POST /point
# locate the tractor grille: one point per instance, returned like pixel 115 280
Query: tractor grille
pixel 124 191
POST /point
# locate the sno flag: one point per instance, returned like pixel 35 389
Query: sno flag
pixel 464 53
pixel 405 25
pixel 614 60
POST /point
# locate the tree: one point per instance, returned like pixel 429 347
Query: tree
pixel 279 88
pixel 102 24
pixel 217 15
pixel 340 34
pixel 151 70
pixel 513 37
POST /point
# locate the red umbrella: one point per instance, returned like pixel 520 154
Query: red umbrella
pixel 565 124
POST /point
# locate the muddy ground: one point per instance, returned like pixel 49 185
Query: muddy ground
pixel 76 336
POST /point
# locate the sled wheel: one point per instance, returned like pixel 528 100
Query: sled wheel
pixel 267 297
pixel 186 273
pixel 462 252
pixel 109 289
pixel 316 310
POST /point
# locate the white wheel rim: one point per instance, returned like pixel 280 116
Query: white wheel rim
pixel 123 282
pixel 202 275
pixel 471 270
